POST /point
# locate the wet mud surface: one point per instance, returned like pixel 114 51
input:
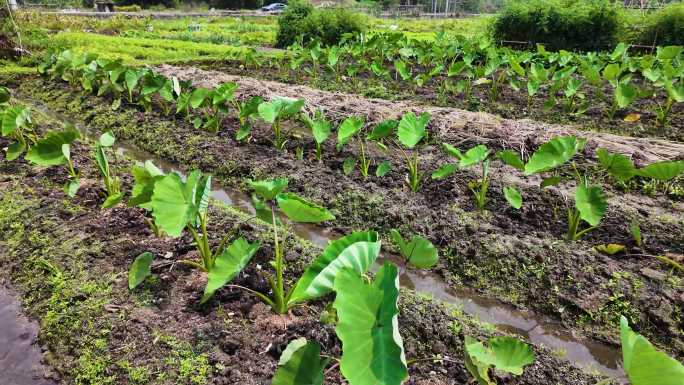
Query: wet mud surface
pixel 20 357
pixel 67 258
pixel 517 257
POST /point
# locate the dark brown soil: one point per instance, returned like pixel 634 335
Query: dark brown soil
pixel 69 257
pixel 516 256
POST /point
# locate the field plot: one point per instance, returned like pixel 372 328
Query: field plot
pixel 404 207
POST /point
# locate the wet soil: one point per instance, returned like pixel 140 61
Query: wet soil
pixel 516 256
pixel 69 258
pixel 509 103
pixel 20 358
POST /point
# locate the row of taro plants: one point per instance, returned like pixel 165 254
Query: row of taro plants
pixel 366 310
pixel 207 109
pixel 456 66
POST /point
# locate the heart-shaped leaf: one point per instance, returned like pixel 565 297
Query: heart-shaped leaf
pixel 300 364
pixel 48 151
pixel 513 197
pixel 228 264
pixel 511 158
pixel 412 129
pixel 300 210
pixel 618 166
pixel 173 202
pixel 269 189
pixel 347 129
pixel 591 203
pixel 504 353
pixel 140 269
pixel 665 170
pixel 554 153
pixel 419 252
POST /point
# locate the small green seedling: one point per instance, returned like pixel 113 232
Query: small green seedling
pixel 419 252
pixel 55 150
pixel 111 182
pixel 411 131
pixel 505 354
pixel 277 110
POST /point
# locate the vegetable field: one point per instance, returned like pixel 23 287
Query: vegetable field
pixel 403 207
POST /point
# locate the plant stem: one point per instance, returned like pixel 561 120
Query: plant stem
pixel 278 289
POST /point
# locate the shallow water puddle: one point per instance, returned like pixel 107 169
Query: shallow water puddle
pixel 588 354
pixel 20 357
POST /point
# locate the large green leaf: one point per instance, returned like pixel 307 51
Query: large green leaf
pixel 348 128
pixel 300 210
pixel 15 150
pixel 320 129
pixel 625 94
pixel 412 129
pixel 173 202
pixel 140 269
pixel 145 177
pixel 644 364
pixel 13 118
pixel 472 157
pixel 372 348
pixel 384 129
pixel 198 96
pixel 268 189
pixel 419 252
pixel 504 353
pixel 554 153
pixel 591 203
pixel 477 369
pixel 228 264
pixel 300 364
pixel 665 170
pixel 511 158
pixel 48 151
pixel 618 166
pixel 279 108
pixel 356 251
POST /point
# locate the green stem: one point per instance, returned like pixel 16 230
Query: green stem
pixel 278 289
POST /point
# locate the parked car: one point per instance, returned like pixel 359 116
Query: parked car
pixel 275 7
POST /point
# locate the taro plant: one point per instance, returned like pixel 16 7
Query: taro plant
pixel 476 155
pixel 505 354
pixel 246 109
pixel 418 252
pixel 411 131
pixel 16 125
pixel 348 129
pixel 644 364
pixel 179 205
pixel 277 110
pixel 300 363
pixel 357 250
pixel 590 201
pixel 145 177
pixel 55 150
pixel 320 129
pixel 111 182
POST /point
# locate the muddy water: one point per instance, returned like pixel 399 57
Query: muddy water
pixel 20 358
pixel 588 354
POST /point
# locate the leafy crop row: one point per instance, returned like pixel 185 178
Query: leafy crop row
pixel 366 312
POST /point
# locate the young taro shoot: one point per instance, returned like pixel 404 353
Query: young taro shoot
pixel 411 131
pixel 112 184
pixel 348 129
pixel 357 250
pixel 418 252
pixel 506 354
pixel 320 129
pixel 476 155
pixel 277 110
pixel 145 177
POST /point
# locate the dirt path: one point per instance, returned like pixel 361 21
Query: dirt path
pixel 449 124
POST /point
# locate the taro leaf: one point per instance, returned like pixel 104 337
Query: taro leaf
pixel 112 200
pixel 140 269
pixel 320 129
pixel 263 211
pixel 300 364
pixel 203 194
pixel 48 151
pixel 279 108
pixel 13 118
pixel 383 130
pixel 665 170
pixel 473 156
pixel 348 165
pixel 591 203
pixel 107 139
pixel 419 252
pixel 511 158
pixel 618 166
pixel 356 251
pixel 101 161
pixel 554 153
pixel 669 52
pixel 173 202
pixel 550 181
pixel 513 197
pixel 15 150
pixel 4 95
pixel 444 171
pixel 243 132
pixel 145 176
pixel 644 364
pixel 300 210
pixel 507 354
pixel 268 189
pixel 412 129
pixel 383 168
pixel 477 369
pixel 228 264
pixel 71 187
pixel 198 96
pixel 610 248
pixel 372 348
pixel 625 95
pixel 347 129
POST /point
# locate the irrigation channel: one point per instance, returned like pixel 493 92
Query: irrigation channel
pixel 585 353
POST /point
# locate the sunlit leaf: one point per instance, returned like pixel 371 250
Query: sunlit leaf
pixel 228 264
pixel 300 210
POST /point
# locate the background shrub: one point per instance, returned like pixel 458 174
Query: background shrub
pixel 560 24
pixel 665 26
pixel 328 25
